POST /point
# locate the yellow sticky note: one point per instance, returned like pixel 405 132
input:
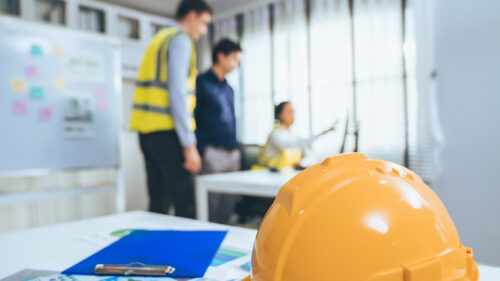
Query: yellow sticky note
pixel 59 83
pixel 18 85
pixel 59 51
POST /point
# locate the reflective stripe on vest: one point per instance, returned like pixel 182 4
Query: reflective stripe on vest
pixel 151 111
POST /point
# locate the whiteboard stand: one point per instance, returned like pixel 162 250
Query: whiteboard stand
pixel 121 200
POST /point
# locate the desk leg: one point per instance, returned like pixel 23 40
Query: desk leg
pixel 202 203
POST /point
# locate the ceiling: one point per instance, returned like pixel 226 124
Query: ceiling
pixel 222 8
pixel 157 7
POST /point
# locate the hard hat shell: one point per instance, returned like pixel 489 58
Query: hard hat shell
pixel 351 218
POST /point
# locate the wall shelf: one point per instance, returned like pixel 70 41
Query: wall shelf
pixel 128 28
pixel 10 7
pixel 155 27
pixel 92 19
pixel 50 11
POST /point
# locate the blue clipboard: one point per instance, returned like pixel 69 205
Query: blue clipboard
pixel 189 252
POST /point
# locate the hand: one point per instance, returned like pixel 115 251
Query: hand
pixel 328 130
pixel 332 128
pixel 298 166
pixel 192 160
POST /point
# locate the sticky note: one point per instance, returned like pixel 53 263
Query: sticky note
pixel 58 51
pixel 36 50
pixel 18 85
pixel 98 92
pixel 100 98
pixel 37 93
pixel 19 108
pixel 32 71
pixel 45 114
pixel 59 83
pixel 102 104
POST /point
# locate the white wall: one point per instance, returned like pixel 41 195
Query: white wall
pixel 132 160
pixel 467 49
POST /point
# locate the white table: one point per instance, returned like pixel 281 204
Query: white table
pixel 255 183
pixel 57 247
pixel 60 246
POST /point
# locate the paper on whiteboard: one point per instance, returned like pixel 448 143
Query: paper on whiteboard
pixel 84 66
pixel 78 116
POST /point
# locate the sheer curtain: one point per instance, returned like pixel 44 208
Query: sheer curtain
pixel 357 72
pixel 228 28
pixel 257 109
pixel 425 135
pixel 203 50
pixel 290 61
pixel 380 102
pixel 331 71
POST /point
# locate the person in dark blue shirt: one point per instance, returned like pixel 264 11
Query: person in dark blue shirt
pixel 216 124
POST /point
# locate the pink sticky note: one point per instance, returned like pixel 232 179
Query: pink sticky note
pixel 102 104
pixel 32 71
pixel 45 114
pixel 19 108
pixel 100 98
pixel 98 92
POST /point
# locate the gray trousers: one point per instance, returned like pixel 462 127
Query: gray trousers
pixel 218 160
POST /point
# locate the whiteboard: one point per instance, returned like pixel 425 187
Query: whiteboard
pixel 59 98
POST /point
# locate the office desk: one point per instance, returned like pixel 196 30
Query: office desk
pixel 256 183
pixel 57 247
pixel 60 246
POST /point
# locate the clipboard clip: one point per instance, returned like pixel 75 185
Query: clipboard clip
pixel 135 268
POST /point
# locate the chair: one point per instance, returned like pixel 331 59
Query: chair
pixel 249 155
pixel 249 206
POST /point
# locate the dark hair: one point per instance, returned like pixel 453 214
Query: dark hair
pixel 186 6
pixel 279 108
pixel 226 47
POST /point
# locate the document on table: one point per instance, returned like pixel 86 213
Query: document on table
pixel 230 262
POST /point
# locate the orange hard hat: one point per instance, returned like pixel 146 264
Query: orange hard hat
pixel 351 218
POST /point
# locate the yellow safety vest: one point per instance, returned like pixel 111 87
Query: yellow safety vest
pixel 152 112
pixel 286 158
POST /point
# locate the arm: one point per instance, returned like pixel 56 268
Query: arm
pixel 282 140
pixel 178 61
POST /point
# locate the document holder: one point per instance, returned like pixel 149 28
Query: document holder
pixel 135 268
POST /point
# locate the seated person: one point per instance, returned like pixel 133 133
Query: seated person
pixel 283 149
